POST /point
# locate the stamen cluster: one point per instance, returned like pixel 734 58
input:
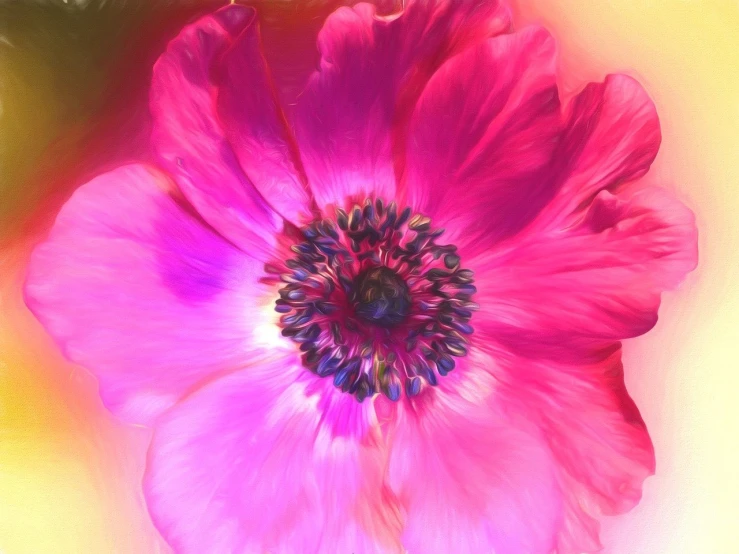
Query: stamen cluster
pixel 375 302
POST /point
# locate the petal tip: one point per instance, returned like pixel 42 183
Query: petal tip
pixel 235 18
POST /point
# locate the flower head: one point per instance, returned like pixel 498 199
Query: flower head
pixel 384 319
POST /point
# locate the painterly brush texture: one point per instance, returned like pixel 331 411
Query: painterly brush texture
pixel 377 306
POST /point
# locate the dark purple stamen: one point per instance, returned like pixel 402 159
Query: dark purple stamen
pixel 374 302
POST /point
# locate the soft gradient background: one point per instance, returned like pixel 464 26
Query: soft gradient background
pixel 71 78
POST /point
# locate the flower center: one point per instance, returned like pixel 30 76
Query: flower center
pixel 374 302
pixel 381 297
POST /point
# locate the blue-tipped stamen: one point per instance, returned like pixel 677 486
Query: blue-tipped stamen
pixel 374 302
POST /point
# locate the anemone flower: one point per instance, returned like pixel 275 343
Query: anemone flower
pixel 384 319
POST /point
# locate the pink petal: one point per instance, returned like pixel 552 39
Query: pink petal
pixel 558 293
pixel 289 38
pixel 188 139
pixel 372 70
pixel 133 287
pixel 595 432
pixel 612 137
pixel 256 127
pixel 265 461
pixel 470 478
pixel 482 137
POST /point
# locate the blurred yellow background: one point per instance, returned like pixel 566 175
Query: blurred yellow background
pixel 69 473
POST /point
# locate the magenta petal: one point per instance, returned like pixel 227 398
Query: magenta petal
pixel 256 128
pixel 471 479
pixel 137 290
pixel 188 139
pixel 612 137
pixel 602 448
pixel 482 137
pixel 372 70
pixel 259 462
pixel 598 281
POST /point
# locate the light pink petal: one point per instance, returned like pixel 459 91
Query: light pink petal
pixel 189 142
pixel 612 137
pixel 134 288
pixel 560 293
pixel 372 70
pixel 482 137
pixel 602 448
pixel 256 128
pixel 470 478
pixel 266 461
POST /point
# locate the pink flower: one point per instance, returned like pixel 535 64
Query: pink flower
pixel 324 368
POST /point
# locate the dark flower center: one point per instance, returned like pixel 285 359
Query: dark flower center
pixel 375 302
pixel 381 297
